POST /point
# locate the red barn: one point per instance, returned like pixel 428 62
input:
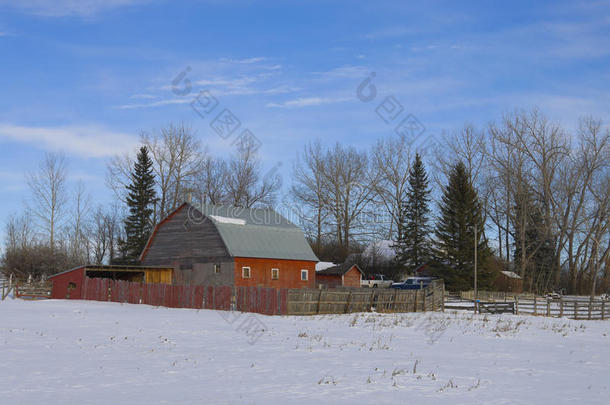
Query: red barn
pixel 231 246
pixel 343 275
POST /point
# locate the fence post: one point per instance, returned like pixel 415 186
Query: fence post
pixel 575 309
pixel 561 307
pixel 517 304
pixel 415 301
pixel 319 299
pixel 590 305
pixel 394 300
pixel 535 306
pixel 443 298
pixel 603 309
pixel 346 310
pixel 548 307
pixel 424 300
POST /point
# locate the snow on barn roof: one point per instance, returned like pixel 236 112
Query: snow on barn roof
pixel 227 220
pixel 510 274
pixel 324 265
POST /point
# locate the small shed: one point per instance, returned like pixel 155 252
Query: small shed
pixel 69 284
pixel 508 281
pixel 343 275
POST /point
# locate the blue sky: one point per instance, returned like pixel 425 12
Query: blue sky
pixel 85 77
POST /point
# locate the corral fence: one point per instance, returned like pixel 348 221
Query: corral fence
pixel 322 301
pixel 269 301
pixel 33 290
pixel 573 308
pixel 495 307
pixel 29 290
pixel 494 296
pixel 579 308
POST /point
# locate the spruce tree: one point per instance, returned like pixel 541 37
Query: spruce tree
pixel 413 245
pixel 140 200
pixel 460 211
pixel 534 257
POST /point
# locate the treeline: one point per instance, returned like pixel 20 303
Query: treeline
pixel 534 198
pixel 543 195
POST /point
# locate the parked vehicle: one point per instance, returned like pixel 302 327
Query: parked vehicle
pixel 413 283
pixel 376 281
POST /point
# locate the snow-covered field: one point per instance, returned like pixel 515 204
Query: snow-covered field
pixel 76 352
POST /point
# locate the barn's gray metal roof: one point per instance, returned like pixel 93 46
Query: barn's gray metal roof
pixel 258 233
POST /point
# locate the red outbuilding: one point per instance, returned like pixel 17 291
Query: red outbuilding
pixel 69 284
pixel 343 275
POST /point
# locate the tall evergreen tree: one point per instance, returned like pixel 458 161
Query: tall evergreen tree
pixel 413 244
pixel 460 211
pixel 534 252
pixel 140 200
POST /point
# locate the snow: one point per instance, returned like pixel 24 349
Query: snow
pixel 228 220
pixel 89 352
pixel 324 265
pixel 510 274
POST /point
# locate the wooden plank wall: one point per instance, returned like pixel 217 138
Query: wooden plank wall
pixel 313 302
pixel 492 296
pixel 268 301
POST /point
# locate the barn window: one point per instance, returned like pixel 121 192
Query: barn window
pixel 71 286
pixel 304 275
pixel 216 268
pixel 245 272
pixel 275 274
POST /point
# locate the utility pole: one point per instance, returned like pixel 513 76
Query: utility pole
pixel 595 267
pixel 476 292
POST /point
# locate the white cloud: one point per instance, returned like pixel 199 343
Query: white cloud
pixel 68 8
pixel 85 141
pixel 159 103
pixel 245 61
pixel 143 96
pixel 309 102
pixel 344 72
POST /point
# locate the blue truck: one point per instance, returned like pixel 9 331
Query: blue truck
pixel 413 283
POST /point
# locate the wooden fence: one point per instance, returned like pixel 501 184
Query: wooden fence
pixel 494 296
pixel 569 308
pixel 32 291
pixel 269 301
pixel 313 302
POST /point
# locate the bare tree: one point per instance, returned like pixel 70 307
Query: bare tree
pixel 77 228
pixel 468 145
pixel 118 175
pixel 391 160
pixel 349 192
pixel 246 186
pixel 211 182
pixel 178 163
pixel 49 196
pixel 309 191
